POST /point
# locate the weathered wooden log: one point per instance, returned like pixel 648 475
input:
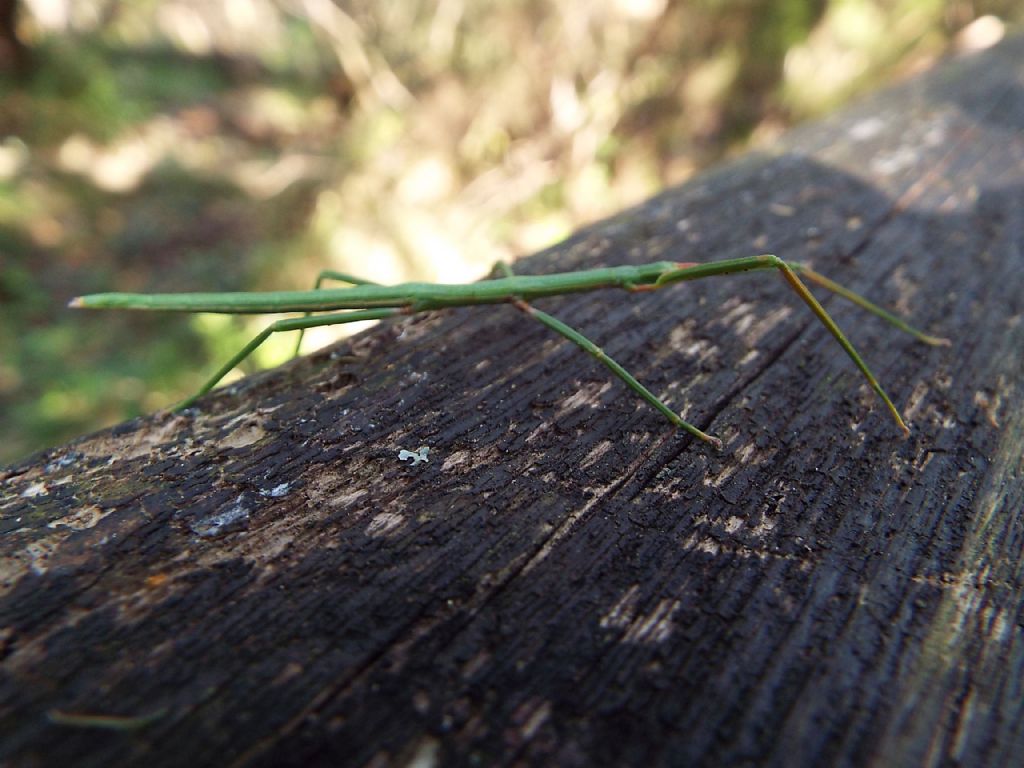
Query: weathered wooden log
pixel 569 581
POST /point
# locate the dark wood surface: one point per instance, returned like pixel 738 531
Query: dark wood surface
pixel 568 581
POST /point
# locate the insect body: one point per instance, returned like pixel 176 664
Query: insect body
pixel 369 301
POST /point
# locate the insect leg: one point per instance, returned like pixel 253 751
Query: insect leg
pixel 289 324
pixel 329 274
pixel 594 350
pixel 590 347
pixel 826 319
pixel 831 285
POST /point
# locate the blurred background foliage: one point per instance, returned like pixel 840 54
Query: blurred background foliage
pixel 248 144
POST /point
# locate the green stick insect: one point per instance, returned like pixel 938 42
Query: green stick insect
pixel 364 300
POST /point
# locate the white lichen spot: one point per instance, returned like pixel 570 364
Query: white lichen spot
pixel 231 517
pixel 277 491
pixel 384 523
pixel 421 454
pixel 36 489
pixel 64 461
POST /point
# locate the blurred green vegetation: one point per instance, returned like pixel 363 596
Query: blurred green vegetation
pixel 189 145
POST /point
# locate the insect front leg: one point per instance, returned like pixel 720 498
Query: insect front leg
pixel 290 324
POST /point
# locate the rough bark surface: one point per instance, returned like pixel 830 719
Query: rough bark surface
pixel 568 581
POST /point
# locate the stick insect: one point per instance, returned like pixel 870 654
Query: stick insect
pixel 364 300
